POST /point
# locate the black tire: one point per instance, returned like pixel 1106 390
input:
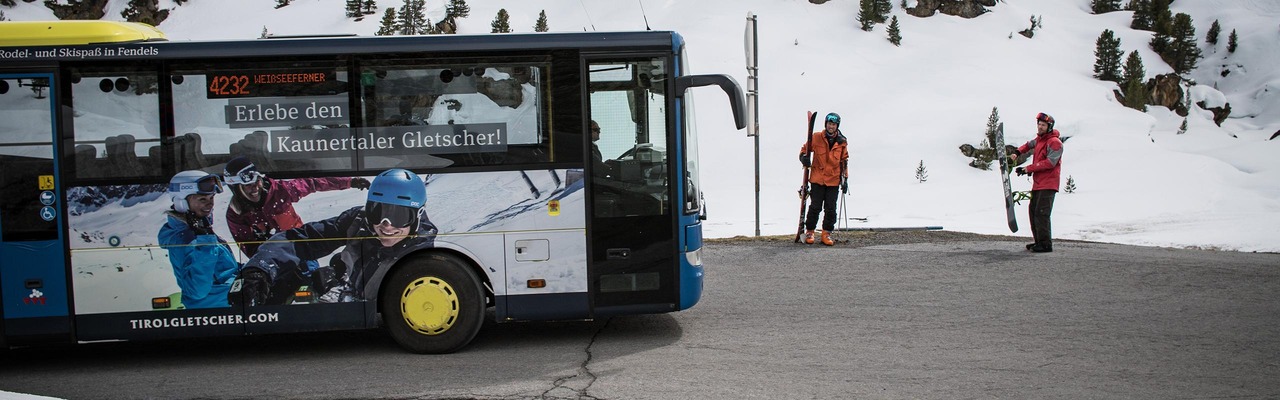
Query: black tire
pixel 443 300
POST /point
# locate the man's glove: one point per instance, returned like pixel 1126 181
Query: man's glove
pixel 200 225
pixel 359 183
pixel 250 290
pixel 1020 171
pixel 844 185
pixel 804 160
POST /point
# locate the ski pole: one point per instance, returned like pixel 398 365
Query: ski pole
pixel 844 214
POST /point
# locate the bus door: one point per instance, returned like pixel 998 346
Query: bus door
pixel 33 273
pixel 633 262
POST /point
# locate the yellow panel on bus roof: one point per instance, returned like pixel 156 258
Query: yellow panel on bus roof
pixel 55 33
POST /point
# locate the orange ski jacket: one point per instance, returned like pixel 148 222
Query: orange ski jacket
pixel 830 158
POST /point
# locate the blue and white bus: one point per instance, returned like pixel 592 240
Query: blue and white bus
pixel 152 189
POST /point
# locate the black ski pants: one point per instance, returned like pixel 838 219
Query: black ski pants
pixel 822 198
pixel 1041 207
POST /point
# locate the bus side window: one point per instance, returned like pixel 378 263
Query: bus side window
pixel 223 113
pixel 115 123
pixel 468 113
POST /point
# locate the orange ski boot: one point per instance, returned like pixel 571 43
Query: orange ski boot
pixel 808 237
pixel 826 239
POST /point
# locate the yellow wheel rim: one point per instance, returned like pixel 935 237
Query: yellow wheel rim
pixel 429 305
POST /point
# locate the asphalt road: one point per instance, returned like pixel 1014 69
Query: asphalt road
pixel 885 315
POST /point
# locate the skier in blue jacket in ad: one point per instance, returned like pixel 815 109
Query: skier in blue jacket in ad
pixel 390 225
pixel 202 262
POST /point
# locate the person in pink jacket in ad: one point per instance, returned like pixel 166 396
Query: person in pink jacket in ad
pixel 1045 170
pixel 261 207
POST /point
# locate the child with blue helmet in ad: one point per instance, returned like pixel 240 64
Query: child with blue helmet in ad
pixel 390 225
pixel 202 262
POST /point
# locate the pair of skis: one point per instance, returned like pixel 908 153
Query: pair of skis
pixel 804 184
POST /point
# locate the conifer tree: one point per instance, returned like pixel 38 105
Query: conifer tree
pixel 265 33
pixel 1161 24
pixel 1104 6
pixel 1183 128
pixel 922 174
pixel 993 126
pixel 882 8
pixel 2 18
pixel 1211 37
pixel 388 25
pixel 1161 16
pixel 1107 62
pixel 353 9
pixel 457 9
pixel 413 17
pixel 1071 185
pixel 985 153
pixel 1141 14
pixel 1232 42
pixel 1182 52
pixel 541 25
pixel 1134 87
pixel 895 36
pixel 370 7
pixel 1160 44
pixel 501 22
pixel 866 15
pixel 282 3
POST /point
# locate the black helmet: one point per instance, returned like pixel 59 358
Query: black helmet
pixel 833 117
pixel 1046 118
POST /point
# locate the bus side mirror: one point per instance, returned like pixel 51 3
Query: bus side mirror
pixel 726 83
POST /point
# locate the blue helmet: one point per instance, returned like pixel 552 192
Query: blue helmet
pixel 396 196
pixel 187 183
pixel 398 187
pixel 833 117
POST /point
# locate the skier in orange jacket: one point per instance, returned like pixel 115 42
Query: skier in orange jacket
pixel 828 171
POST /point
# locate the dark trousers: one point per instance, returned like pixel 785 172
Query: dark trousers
pixel 822 199
pixel 1041 207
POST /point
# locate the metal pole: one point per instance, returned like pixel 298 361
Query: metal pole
pixel 753 100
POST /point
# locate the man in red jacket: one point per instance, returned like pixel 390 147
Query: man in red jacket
pixel 1045 170
pixel 828 172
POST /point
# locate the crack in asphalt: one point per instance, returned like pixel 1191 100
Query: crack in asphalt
pixel 584 369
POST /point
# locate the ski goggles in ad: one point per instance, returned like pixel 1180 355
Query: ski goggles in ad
pixel 206 185
pixel 246 176
pixel 397 216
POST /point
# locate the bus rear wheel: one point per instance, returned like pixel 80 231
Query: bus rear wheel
pixel 433 304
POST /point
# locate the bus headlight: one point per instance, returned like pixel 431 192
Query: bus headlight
pixel 694 257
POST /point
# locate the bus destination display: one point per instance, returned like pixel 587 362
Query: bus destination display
pixel 273 84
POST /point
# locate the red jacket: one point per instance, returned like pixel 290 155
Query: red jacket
pixel 830 158
pixel 251 225
pixel 1046 162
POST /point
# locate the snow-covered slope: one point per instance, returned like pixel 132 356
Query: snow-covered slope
pixel 1138 181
